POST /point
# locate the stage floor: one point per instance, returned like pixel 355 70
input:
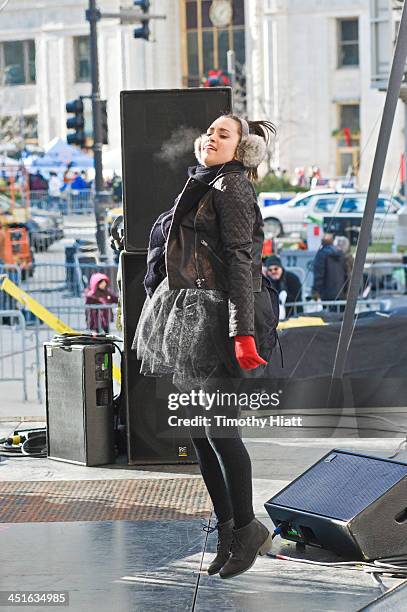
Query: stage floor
pixel 116 539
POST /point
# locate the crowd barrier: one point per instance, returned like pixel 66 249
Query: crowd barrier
pixel 385 278
pixel 22 337
pixel 69 202
pixel 63 284
pixel 60 288
pixel 13 350
pixel 336 306
pixel 379 279
pixel 14 273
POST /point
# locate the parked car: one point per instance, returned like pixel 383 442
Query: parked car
pixel 290 217
pixel 51 224
pixel 271 198
pixel 272 226
pixel 45 227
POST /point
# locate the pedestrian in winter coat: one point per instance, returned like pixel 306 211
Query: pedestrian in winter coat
pixel 287 284
pixel 198 320
pixel 330 272
pixel 37 182
pixel 98 319
pixel 342 244
pixel 79 182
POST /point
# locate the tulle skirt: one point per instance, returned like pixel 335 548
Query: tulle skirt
pixel 185 332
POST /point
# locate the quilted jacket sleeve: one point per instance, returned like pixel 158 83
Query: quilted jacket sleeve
pixel 234 199
pixel 156 252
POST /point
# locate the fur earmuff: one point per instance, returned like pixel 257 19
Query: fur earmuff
pixel 197 148
pixel 251 150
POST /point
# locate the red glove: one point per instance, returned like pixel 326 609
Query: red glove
pixel 246 353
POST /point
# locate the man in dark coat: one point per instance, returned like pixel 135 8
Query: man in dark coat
pixel 330 272
pixel 284 281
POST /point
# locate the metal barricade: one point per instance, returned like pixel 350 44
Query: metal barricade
pixel 379 278
pixel 64 284
pixel 80 317
pixel 307 307
pixel 68 202
pixel 41 199
pixel 13 272
pixel 383 279
pixel 60 289
pixel 13 366
pixel 21 344
pixel 80 202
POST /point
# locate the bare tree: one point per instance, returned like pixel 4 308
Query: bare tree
pixel 17 130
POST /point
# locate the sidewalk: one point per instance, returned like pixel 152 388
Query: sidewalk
pixel 14 408
pixel 151 558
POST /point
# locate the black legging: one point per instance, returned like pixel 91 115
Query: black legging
pixel 223 458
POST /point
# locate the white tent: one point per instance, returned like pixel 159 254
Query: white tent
pixel 58 154
pixel 9 161
pixel 112 161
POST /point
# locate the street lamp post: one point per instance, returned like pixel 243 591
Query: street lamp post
pixel 93 15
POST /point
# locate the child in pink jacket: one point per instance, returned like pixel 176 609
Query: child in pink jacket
pixel 98 293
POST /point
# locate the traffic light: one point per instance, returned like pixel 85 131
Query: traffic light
pixel 216 78
pixel 142 31
pixel 76 123
pixel 103 112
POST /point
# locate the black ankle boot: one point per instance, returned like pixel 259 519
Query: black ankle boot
pixel 248 542
pixel 225 536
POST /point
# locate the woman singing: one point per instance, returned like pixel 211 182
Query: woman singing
pixel 205 316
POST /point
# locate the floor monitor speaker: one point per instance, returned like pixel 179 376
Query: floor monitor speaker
pixel 352 504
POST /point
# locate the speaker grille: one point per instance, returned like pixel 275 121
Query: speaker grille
pixel 341 485
pixel 158 131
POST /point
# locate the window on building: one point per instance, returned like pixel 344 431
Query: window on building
pixel 348 138
pixel 15 127
pixel 17 62
pixel 348 42
pixel 349 117
pixel 31 129
pixel 347 162
pixel 82 58
pixel 205 45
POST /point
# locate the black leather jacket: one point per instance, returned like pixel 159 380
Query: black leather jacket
pixel 218 244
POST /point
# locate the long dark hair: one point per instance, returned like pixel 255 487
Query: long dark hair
pixel 265 129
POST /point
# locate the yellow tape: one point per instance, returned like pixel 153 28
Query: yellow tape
pixel 44 314
pixel 36 308
pixel 301 322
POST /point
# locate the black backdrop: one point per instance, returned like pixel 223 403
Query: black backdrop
pixel 375 377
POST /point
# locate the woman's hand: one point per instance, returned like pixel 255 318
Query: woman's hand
pixel 246 353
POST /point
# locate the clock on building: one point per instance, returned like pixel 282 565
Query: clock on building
pixel 221 13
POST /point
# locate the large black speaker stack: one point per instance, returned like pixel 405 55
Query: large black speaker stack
pixel 349 503
pixel 158 131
